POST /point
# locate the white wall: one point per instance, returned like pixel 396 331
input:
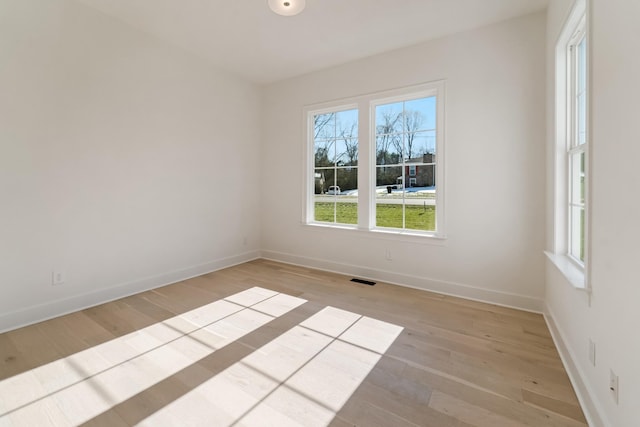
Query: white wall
pixel 611 316
pixel 113 148
pixel 495 184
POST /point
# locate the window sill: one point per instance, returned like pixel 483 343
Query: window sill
pixel 377 233
pixel 573 273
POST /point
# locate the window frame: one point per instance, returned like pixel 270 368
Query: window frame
pixel 436 89
pixel 365 104
pixel 575 148
pixel 568 148
pixel 309 209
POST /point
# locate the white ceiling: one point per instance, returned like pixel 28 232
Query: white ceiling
pixel 246 38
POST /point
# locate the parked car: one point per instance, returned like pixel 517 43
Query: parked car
pixel 334 190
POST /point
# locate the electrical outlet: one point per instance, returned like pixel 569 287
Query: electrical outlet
pixel 592 352
pixel 387 254
pixel 57 278
pixel 613 385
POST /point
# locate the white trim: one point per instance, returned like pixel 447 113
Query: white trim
pixel 504 299
pixel 398 235
pixel 593 411
pixel 38 313
pixel 366 156
pixel 569 268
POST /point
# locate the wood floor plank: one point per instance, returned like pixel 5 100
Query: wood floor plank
pixel 11 363
pixel 471 414
pixel 571 410
pixel 33 346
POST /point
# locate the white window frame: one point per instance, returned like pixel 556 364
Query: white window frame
pixel 365 105
pixel 433 89
pixel 309 209
pixel 566 148
pixel 575 149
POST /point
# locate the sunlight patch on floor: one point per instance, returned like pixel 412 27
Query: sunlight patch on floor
pixel 301 378
pixel 74 389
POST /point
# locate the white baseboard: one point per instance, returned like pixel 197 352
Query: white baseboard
pixel 505 299
pixel 592 410
pixel 37 313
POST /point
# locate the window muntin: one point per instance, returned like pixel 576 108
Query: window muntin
pixel 405 187
pixel 335 142
pixel 577 144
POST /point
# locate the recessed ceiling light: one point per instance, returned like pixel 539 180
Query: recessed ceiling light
pixel 287 7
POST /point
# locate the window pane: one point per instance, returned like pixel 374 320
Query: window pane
pixel 420 216
pixel 576 243
pixel 417 144
pixel 324 202
pixel 347 181
pixel 582 234
pixel 347 151
pixel 347 196
pixel 388 176
pixel 324 210
pixel 324 126
pixel 388 149
pixel 420 200
pixel 582 65
pixel 581 89
pixel 420 114
pixel 389 197
pixel 581 119
pixel 347 121
pixel 324 178
pixel 324 153
pixel 577 178
pixel 389 215
pixel 389 118
pixel 424 174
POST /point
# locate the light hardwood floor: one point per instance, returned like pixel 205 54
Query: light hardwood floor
pixel 265 343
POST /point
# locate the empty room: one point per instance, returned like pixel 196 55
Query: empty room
pixel 319 213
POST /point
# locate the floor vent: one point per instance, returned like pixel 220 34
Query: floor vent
pixel 364 282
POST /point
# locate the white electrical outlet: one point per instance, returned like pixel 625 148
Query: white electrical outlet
pixel 57 278
pixel 387 254
pixel 592 352
pixel 614 385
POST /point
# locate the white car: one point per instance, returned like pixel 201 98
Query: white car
pixel 334 190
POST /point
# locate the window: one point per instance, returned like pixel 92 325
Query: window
pixel 376 162
pixel 335 179
pixel 577 143
pixel 405 144
pixel 571 172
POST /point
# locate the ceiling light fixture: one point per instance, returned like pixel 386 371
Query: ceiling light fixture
pixel 287 7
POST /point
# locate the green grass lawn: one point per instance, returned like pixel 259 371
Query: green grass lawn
pixel 416 217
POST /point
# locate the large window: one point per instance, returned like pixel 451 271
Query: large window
pixel 577 142
pixel 571 171
pixel 376 162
